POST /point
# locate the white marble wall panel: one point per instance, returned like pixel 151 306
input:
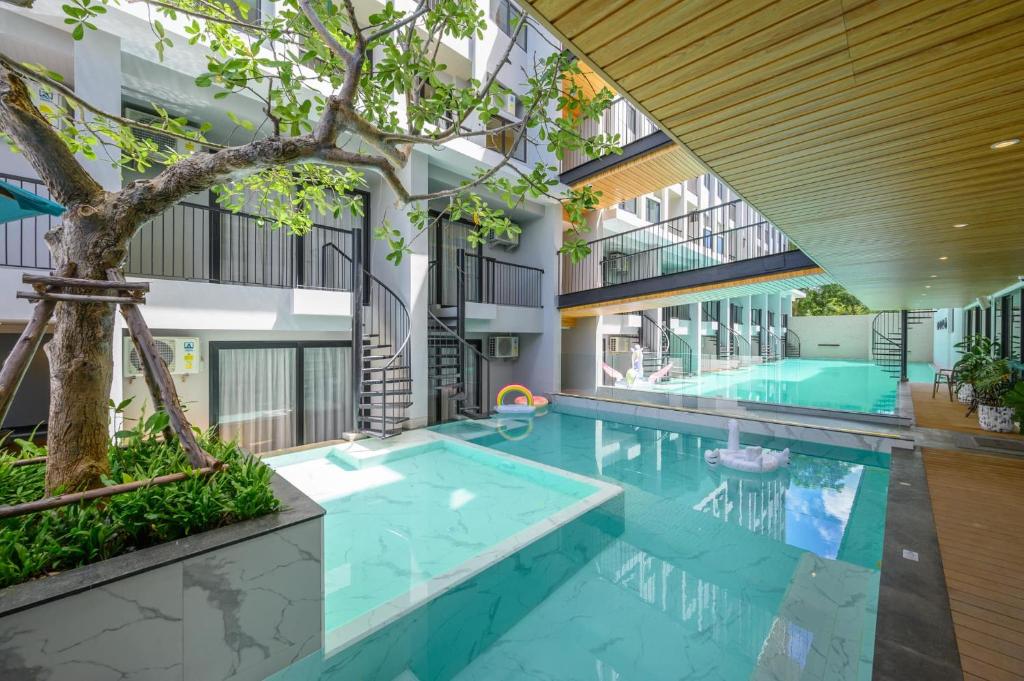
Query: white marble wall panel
pixel 239 612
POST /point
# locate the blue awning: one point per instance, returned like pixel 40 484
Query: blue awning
pixel 17 204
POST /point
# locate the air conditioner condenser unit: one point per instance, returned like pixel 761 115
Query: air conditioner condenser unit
pixel 180 354
pixel 503 347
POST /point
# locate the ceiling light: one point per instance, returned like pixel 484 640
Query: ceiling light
pixel 943 257
pixel 1006 143
pixel 935 276
pixel 960 225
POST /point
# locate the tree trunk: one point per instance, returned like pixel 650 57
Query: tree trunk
pixel 81 362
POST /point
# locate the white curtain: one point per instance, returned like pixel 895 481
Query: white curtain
pixel 327 393
pixel 257 397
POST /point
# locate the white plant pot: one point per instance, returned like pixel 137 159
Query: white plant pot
pixel 996 419
pixel 965 394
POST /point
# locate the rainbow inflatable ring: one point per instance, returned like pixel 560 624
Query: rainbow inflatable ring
pixel 526 403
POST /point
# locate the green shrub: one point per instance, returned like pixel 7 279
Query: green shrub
pixel 60 539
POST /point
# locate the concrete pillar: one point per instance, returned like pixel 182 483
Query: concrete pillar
pixel 581 361
pixel 97 78
pixel 414 286
pixel 98 81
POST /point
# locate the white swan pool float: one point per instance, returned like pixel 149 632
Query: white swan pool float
pixel 747 459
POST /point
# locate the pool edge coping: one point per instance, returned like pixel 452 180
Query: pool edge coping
pixel 896 440
pixel 917 641
pixel 365 625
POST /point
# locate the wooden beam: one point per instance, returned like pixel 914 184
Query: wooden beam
pixel 48 503
pixel 79 298
pixel 74 282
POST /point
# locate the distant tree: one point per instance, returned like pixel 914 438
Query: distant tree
pixel 829 299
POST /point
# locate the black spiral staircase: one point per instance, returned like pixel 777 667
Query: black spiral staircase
pixel 771 347
pixel 449 353
pixel 729 345
pixel 791 343
pixel 889 337
pixel 384 356
pixel 662 346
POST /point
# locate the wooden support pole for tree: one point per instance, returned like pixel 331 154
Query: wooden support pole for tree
pixel 47 503
pixel 79 298
pixel 18 361
pixel 159 377
pixel 74 282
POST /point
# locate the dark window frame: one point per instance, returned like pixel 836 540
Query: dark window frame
pixel 504 14
pixel 300 407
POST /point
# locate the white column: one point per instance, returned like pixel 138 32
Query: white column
pixel 97 64
pixel 98 81
pixel 414 287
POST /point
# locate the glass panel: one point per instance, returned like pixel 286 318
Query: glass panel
pixel 327 395
pixel 257 397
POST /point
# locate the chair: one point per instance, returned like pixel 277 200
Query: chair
pixel 947 377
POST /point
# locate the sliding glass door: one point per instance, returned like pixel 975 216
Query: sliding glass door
pixel 273 395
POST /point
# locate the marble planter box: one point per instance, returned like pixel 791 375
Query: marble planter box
pixel 237 603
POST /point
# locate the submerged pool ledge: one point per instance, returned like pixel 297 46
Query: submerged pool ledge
pixel 367 635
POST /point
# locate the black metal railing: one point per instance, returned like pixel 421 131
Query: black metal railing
pixel 203 243
pixel 23 243
pixel 206 243
pixel 620 118
pixel 791 341
pixel 703 238
pixel 382 355
pixel 489 280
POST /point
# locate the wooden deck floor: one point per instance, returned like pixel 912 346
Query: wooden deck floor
pixel 978 503
pixel 945 414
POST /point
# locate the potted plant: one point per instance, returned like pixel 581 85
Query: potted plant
pixel 1014 399
pixel 976 353
pixel 992 383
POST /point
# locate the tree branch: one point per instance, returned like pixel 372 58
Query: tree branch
pixel 69 94
pixel 422 9
pixel 68 181
pixel 321 30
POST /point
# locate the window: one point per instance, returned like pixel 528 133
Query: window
pixel 503 140
pixel 707 182
pixel 653 210
pixel 707 238
pixel 277 394
pixel 709 311
pixel 732 212
pixel 720 245
pixel 507 17
pixel 427 91
pixel 755 316
pixel 721 191
pixel 629 205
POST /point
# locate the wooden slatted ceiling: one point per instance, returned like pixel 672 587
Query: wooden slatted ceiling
pixel 752 286
pixel 643 174
pixel 861 128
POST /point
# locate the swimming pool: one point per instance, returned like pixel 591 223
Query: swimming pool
pixel 846 385
pixel 712 574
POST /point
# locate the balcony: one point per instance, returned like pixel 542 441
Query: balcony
pixel 485 280
pixel 194 242
pixel 650 159
pixel 658 265
pixel 620 118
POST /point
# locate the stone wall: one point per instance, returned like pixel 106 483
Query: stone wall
pixel 237 603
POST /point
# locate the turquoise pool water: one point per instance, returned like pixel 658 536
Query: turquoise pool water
pixel 824 384
pixel 393 525
pixel 710 575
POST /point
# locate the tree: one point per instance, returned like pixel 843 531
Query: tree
pixel 331 115
pixel 829 299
